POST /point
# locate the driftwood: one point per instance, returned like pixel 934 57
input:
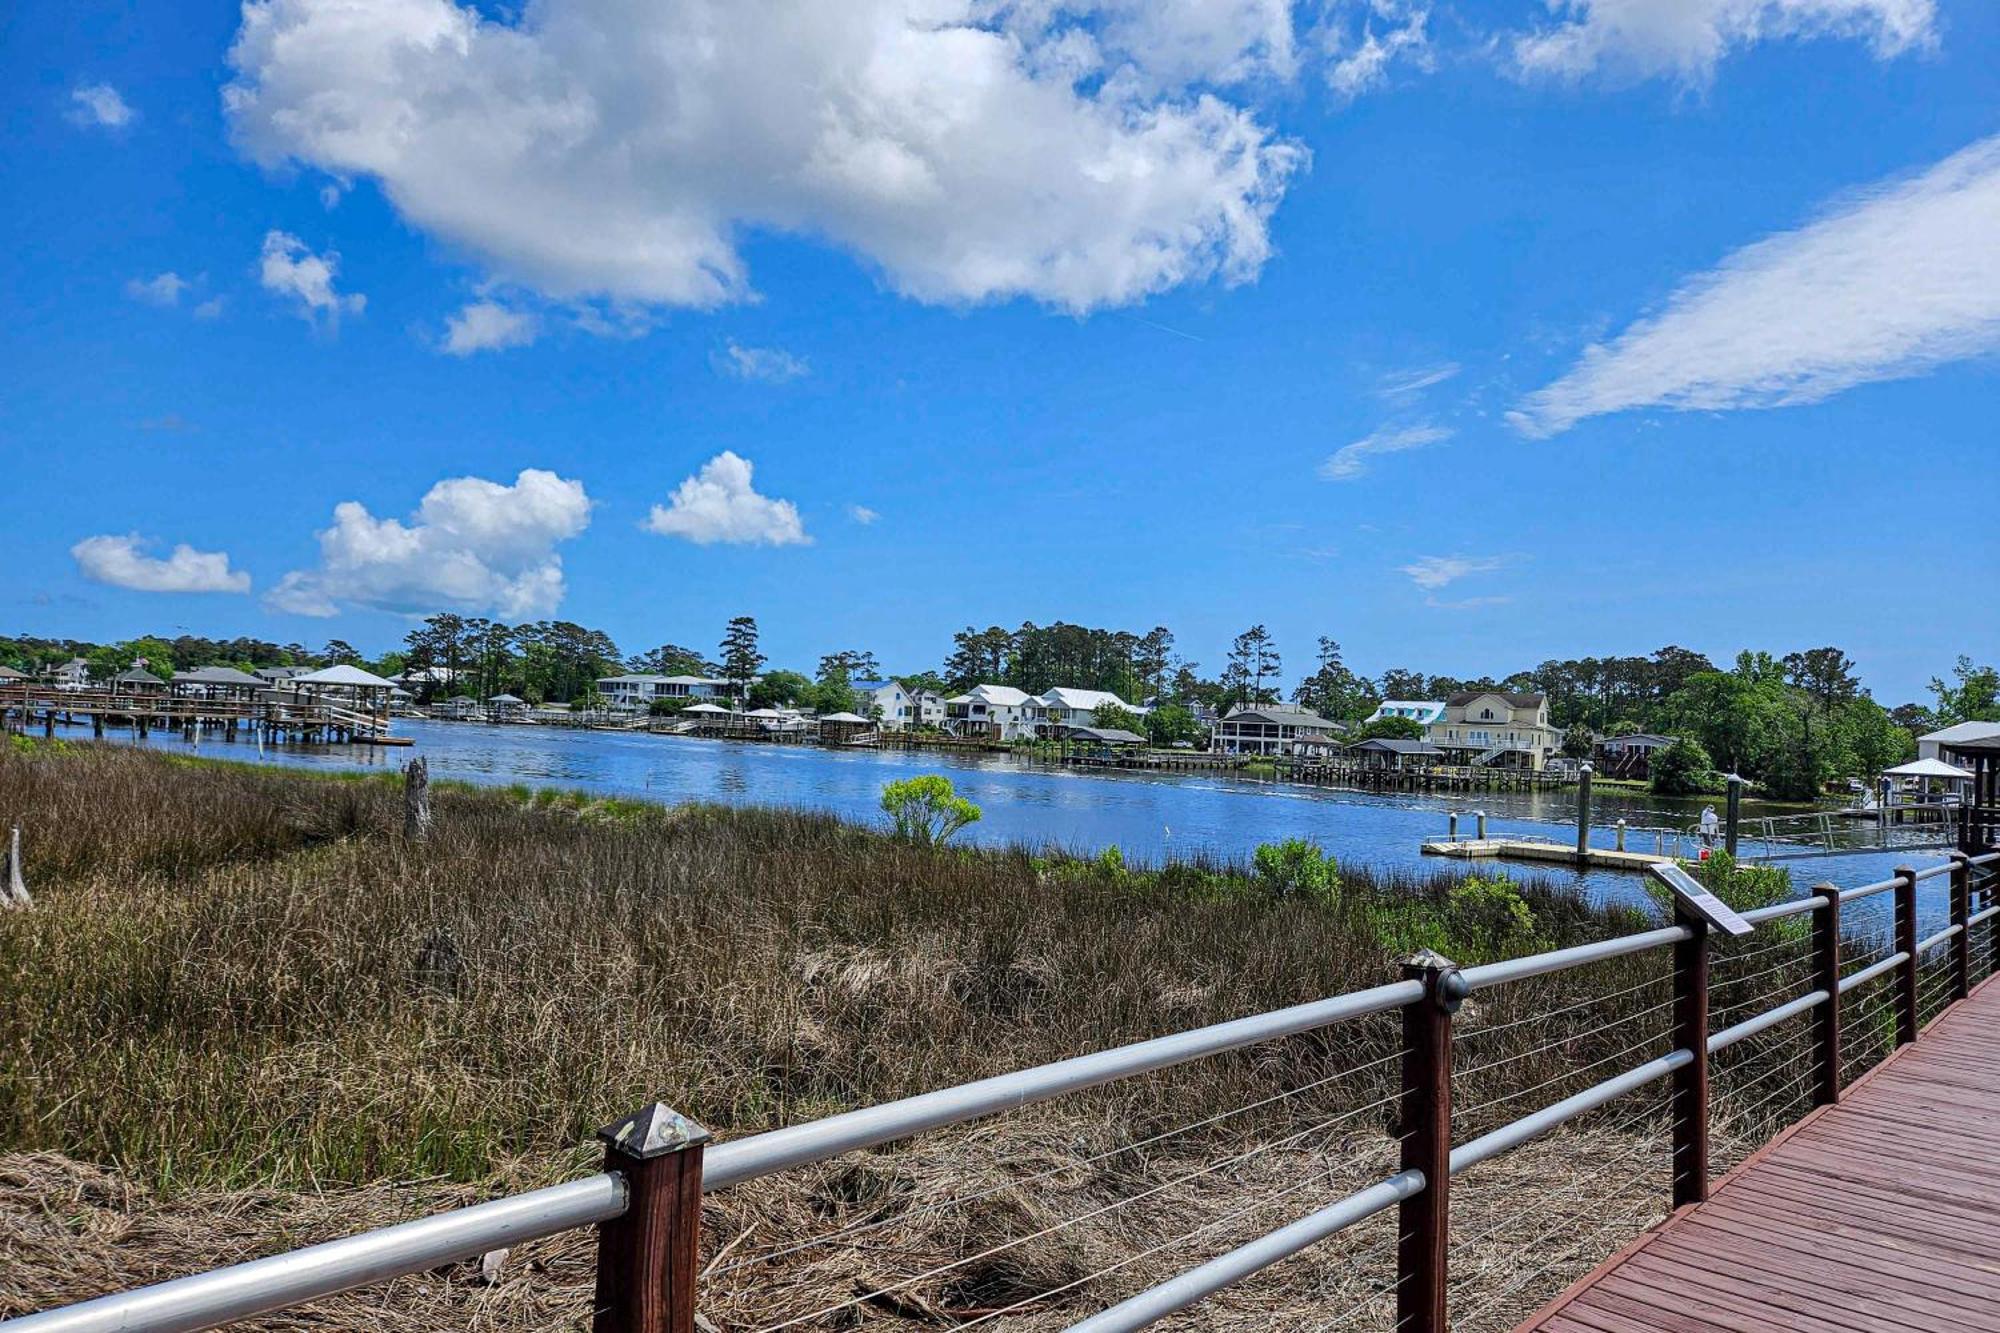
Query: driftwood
pixel 417 800
pixel 17 888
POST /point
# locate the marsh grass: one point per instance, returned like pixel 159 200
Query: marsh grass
pixel 242 985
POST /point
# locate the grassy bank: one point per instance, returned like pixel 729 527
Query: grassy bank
pixel 240 987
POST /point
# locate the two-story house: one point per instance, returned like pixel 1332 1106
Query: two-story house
pixel 886 702
pixel 72 675
pixel 1270 729
pixel 635 691
pixel 1054 712
pixel 990 712
pixel 1496 727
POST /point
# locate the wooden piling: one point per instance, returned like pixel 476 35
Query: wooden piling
pixel 647 1258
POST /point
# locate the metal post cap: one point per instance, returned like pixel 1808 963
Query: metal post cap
pixel 654 1131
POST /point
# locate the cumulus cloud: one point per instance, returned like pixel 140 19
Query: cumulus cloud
pixel 1351 460
pixel 292 270
pixel 773 365
pixel 163 290
pixel 487 326
pixel 967 152
pixel 1686 39
pixel 1887 285
pixel 719 504
pixel 120 562
pixel 473 545
pixel 862 514
pixel 1390 30
pixel 1437 571
pixel 100 105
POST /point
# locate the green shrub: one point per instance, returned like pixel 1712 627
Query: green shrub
pixel 926 810
pixel 1490 917
pixel 1296 868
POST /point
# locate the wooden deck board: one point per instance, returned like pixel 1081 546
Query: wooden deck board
pixel 1878 1213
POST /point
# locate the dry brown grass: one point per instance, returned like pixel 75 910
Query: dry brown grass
pixel 262 1017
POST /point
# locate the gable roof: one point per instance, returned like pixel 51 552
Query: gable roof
pixel 137 676
pixel 1282 714
pixel 1387 745
pixel 1964 731
pixel 1463 698
pixel 343 675
pixel 1108 735
pixel 217 675
pixel 1006 696
pixel 1087 701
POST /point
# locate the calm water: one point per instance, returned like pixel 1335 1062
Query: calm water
pixel 1150 817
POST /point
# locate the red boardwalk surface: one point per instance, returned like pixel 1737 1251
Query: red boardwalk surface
pixel 1880 1213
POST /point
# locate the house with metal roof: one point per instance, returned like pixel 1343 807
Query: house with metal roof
pixel 1423 712
pixel 1271 729
pixel 989 712
pixel 635 691
pixel 1061 710
pixel 1931 743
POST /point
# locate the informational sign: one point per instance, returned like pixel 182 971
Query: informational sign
pixel 1698 902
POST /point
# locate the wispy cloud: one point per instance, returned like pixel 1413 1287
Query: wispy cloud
pixel 291 270
pixel 163 290
pixel 1391 30
pixel 1887 285
pixel 772 365
pixel 1408 382
pixel 99 105
pixel 1465 603
pixel 1351 460
pixel 1688 38
pixel 483 326
pixel 1438 571
pixel 862 514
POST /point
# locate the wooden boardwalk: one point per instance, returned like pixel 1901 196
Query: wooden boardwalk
pixel 1879 1213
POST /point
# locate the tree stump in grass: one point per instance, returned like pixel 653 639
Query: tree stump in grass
pixel 17 887
pixel 417 800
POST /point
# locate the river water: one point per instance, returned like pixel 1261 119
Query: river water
pixel 1150 817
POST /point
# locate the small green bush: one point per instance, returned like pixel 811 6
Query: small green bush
pixel 1490 917
pixel 926 809
pixel 1296 868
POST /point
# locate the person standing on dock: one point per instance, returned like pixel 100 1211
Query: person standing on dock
pixel 1711 827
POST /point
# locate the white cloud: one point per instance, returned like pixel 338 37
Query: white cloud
pixel 1350 460
pixel 719 504
pixel 1390 30
pixel 290 269
pixel 209 309
pixel 1686 39
pixel 473 545
pixel 1887 285
pixel 163 290
pixel 862 514
pixel 773 365
pixel 119 562
pixel 1436 571
pixel 485 326
pixel 1423 377
pixel 99 104
pixel 967 151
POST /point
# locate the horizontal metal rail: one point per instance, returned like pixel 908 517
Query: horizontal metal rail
pixel 1561 960
pixel 1985 914
pixel 1486 1146
pixel 1869 890
pixel 1872 971
pixel 816 1141
pixel 1796 907
pixel 1770 1018
pixel 1178 1293
pixel 1933 941
pixel 263 1285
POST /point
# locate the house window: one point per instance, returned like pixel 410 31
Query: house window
pixel 1486 715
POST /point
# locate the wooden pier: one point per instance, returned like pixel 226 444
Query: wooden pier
pixel 270 715
pixel 1534 849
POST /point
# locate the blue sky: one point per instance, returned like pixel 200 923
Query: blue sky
pixel 1469 334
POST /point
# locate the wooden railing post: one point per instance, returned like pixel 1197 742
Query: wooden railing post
pixel 1961 913
pixel 1424 1219
pixel 1689 1094
pixel 1826 977
pixel 646 1258
pixel 1906 944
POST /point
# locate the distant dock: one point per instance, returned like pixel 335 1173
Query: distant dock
pixel 1536 849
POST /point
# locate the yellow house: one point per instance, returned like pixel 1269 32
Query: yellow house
pixel 1496 727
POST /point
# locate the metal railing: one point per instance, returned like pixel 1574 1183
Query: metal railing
pixel 646 1204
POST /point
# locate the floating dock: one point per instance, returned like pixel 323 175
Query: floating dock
pixel 1527 849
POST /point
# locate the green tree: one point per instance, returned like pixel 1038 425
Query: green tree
pixel 1253 657
pixel 1682 769
pixel 1391 728
pixel 1113 717
pixel 1332 690
pixel 849 665
pixel 670 659
pixel 1579 741
pixel 780 689
pixel 740 659
pixel 926 810
pixel 1973 697
pixel 1171 723
pixel 1296 868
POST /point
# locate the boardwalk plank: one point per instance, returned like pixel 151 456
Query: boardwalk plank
pixel 1878 1213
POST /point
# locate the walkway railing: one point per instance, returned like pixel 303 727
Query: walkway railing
pixel 646 1203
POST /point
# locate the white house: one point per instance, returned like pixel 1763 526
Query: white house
pixel 893 707
pixel 1927 745
pixel 636 691
pixel 72 675
pixel 1052 711
pixel 1496 727
pixel 930 708
pixel 1423 712
pixel 1270 729
pixel 994 712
